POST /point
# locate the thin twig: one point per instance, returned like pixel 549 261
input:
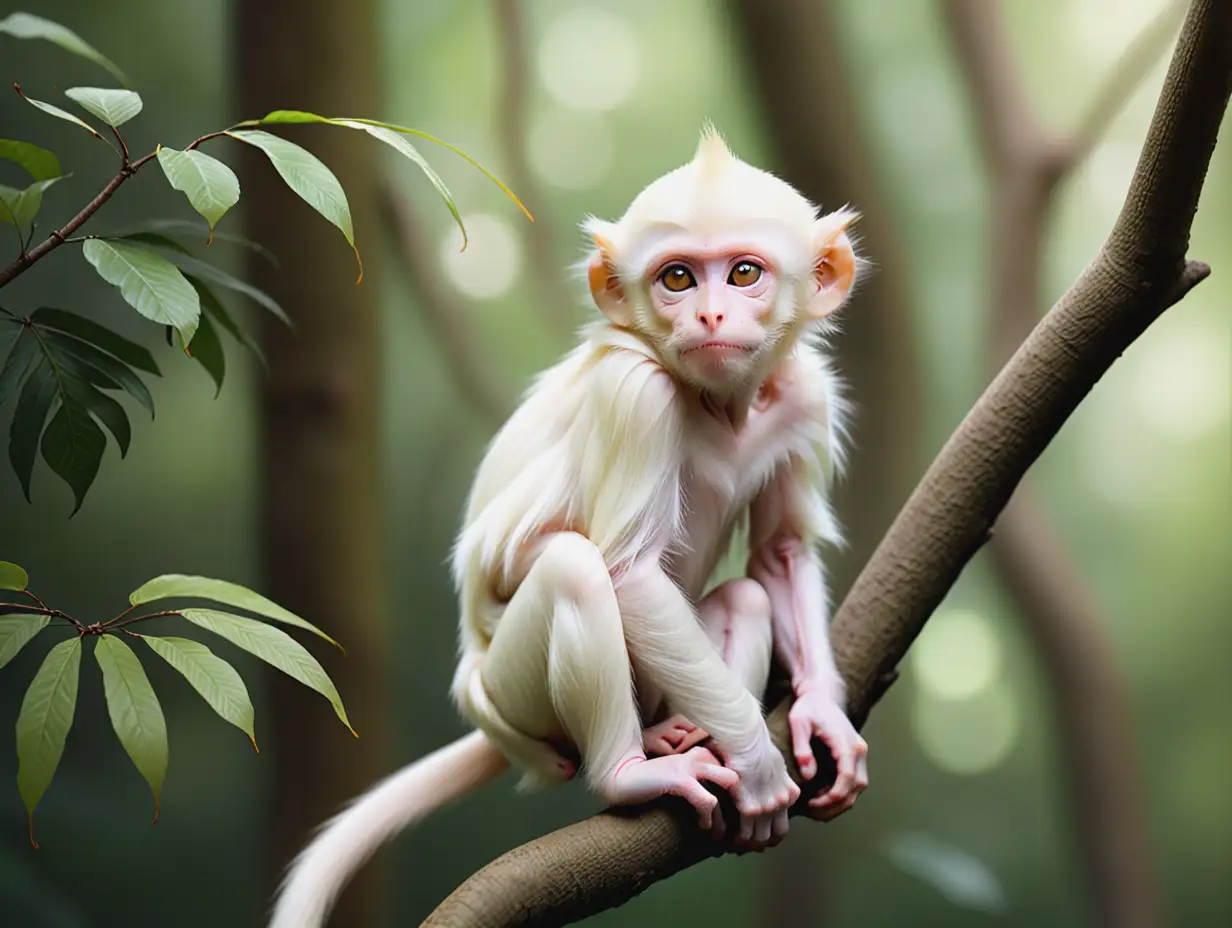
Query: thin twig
pixel 112 625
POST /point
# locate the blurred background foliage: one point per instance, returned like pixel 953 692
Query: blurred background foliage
pixel 966 821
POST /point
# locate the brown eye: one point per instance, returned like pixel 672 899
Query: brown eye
pixel 745 274
pixel 677 278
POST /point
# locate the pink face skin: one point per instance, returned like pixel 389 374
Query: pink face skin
pixel 718 304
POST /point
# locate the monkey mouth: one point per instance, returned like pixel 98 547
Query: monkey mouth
pixel 719 349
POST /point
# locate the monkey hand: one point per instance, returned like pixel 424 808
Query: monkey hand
pixel 638 780
pixel 816 714
pixel 672 736
pixel 763 796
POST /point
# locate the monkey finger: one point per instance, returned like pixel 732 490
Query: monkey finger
pixel 719 827
pixel 778 830
pixel 746 829
pixel 705 804
pixel 801 740
pixel 761 830
pixel 838 808
pixel 720 776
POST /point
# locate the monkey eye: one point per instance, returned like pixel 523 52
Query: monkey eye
pixel 745 274
pixel 677 278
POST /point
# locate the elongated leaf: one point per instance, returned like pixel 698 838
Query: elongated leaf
pixel 211 306
pixel 273 646
pixel 17 629
pixel 26 26
pixel 28 419
pixel 12 576
pixel 196 229
pixel 21 206
pixel 956 874
pixel 211 187
pixel 39 163
pixel 118 374
pixel 135 712
pixel 100 336
pixel 150 283
pixel 286 117
pixel 207 351
pixel 44 721
pixel 22 354
pixel 104 408
pixel 220 591
pixel 406 149
pixel 309 178
pixel 114 107
pixel 52 110
pixel 73 447
pixel 216 680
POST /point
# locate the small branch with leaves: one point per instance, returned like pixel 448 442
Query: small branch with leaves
pixel 50 701
pixel 65 363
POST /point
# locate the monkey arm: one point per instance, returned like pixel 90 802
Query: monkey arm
pixel 789 568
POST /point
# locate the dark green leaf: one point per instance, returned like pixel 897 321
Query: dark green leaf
pixel 149 282
pixel 105 409
pixel 211 676
pixel 12 576
pixel 212 307
pixel 135 713
pixel 207 351
pixel 153 238
pixel 114 107
pixel 53 110
pixel 117 372
pixel 199 230
pixel 39 163
pixel 45 719
pixel 73 447
pixel 305 174
pixel 16 630
pixel 28 419
pixel 273 646
pixel 100 336
pixel 211 187
pixel 223 279
pixel 22 353
pixel 221 591
pixel 26 26
pixel 20 207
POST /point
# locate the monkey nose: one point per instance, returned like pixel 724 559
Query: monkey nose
pixel 710 319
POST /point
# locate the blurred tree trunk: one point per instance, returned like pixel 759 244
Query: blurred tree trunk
pixel 320 462
pixel 796 61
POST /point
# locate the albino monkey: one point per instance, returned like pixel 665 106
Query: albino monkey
pixel 605 503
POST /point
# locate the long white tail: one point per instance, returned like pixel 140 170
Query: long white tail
pixel 323 868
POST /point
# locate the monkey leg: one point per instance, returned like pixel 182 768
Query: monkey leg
pixel 736 617
pixel 558 662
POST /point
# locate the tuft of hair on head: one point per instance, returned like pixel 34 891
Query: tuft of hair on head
pixel 712 154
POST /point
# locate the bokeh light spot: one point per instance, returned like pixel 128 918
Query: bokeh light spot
pixel 1183 380
pixel 492 260
pixel 588 59
pixel 957 655
pixel 967 736
pixel 569 149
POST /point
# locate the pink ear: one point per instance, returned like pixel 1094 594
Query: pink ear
pixel 834 270
pixel 605 287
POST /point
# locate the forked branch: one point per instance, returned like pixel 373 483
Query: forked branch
pixel 1140 271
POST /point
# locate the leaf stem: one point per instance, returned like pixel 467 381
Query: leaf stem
pixel 31 594
pixel 113 624
pixel 123 147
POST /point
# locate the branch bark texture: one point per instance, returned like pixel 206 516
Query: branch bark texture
pixel 1137 274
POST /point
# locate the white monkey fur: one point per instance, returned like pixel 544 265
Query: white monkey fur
pixel 609 445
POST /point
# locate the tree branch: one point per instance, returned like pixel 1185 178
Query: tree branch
pixel 607 859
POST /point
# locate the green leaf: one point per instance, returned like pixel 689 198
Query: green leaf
pixel 52 110
pixel 114 107
pixel 26 26
pixel 73 447
pixel 135 713
pixel 39 163
pixel 100 336
pixel 309 178
pixel 211 187
pixel 211 306
pixel 28 419
pixel 215 275
pixel 273 646
pixel 220 591
pixel 22 352
pixel 207 351
pixel 194 228
pixel 45 719
pixel 211 676
pixel 105 409
pixel 287 117
pixel 13 577
pixel 149 282
pixel 19 207
pixel 17 629
pixel 154 239
pixel 117 374
pixel 405 148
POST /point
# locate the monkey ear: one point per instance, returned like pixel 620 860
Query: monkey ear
pixel 834 267
pixel 605 287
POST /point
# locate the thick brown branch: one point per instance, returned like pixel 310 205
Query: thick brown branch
pixel 607 859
